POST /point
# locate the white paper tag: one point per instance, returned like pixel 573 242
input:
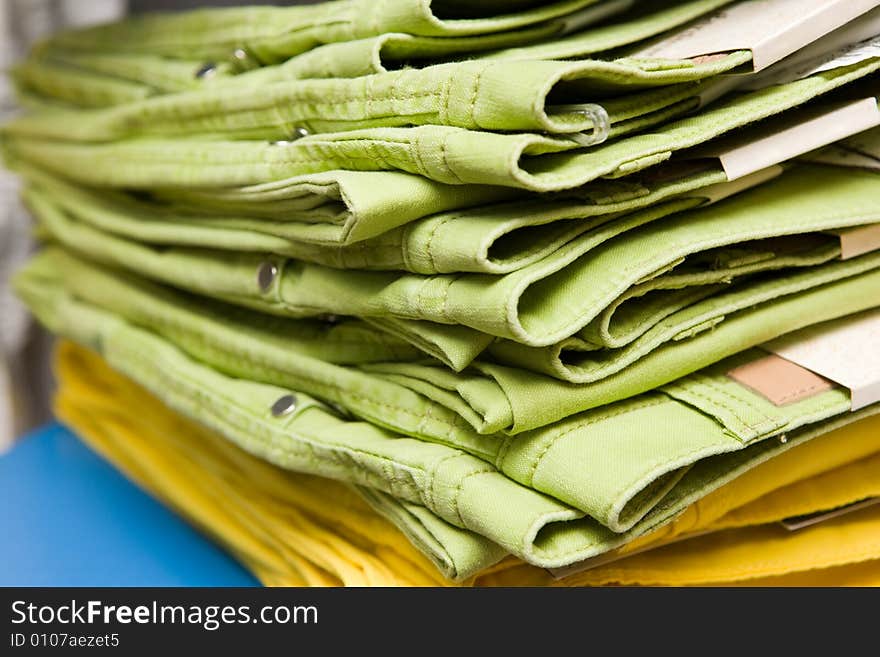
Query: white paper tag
pixel 855 42
pixel 808 129
pixel 846 351
pixel 721 191
pixel 771 29
pixel 841 156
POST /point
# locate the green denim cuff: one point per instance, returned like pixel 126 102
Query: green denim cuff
pixel 580 359
pixel 60 83
pixel 457 553
pixel 523 401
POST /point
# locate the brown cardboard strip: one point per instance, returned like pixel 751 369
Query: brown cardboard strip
pixel 858 240
pixel 779 380
pixel 846 351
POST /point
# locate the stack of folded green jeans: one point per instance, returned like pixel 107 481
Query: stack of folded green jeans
pixel 488 261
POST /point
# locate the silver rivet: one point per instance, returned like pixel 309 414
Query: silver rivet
pixel 295 135
pixel 206 70
pixel 284 405
pixel 243 60
pixel 783 439
pixel 266 274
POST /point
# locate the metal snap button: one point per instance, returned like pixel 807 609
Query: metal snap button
pixel 266 274
pixel 243 60
pixel 284 405
pixel 206 70
pixel 295 135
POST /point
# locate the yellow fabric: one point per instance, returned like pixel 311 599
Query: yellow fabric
pixel 295 529
pixel 749 493
pixel 748 553
pixel 288 528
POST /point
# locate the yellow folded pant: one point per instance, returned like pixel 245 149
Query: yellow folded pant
pixel 293 529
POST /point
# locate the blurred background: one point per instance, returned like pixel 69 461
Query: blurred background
pixel 25 377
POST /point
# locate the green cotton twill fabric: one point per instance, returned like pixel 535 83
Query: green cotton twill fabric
pixel 548 301
pixel 442 153
pixel 463 409
pixel 295 216
pixel 481 95
pixel 486 254
pixel 486 398
pixel 273 34
pixel 626 479
pixel 649 326
pixel 110 78
pixel 497 238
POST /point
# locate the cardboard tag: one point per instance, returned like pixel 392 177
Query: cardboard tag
pixel 789 136
pixel 855 42
pixel 846 351
pixel 858 240
pixel 861 151
pixel 842 156
pixel 770 29
pixel 779 380
pixel 721 191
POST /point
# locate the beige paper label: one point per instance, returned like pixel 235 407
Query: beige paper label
pixel 858 240
pixel 721 191
pixel 855 42
pixel 779 380
pixel 846 351
pixel 804 131
pixel 771 29
pixel 861 151
pixel 842 156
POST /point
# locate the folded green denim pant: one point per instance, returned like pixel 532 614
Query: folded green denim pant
pixel 484 95
pixel 581 360
pixel 442 153
pixel 297 216
pixel 645 476
pixel 494 397
pixel 495 239
pixel 110 78
pixel 254 346
pixel 273 34
pixel 538 305
pixel 393 51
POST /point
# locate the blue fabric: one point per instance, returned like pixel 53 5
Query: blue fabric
pixel 70 519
